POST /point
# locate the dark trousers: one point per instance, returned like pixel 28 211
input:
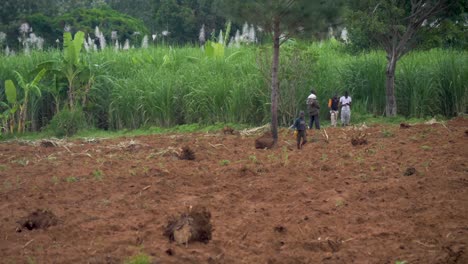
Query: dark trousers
pixel 314 118
pixel 301 138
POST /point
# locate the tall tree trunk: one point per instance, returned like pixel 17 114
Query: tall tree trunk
pixel 391 104
pixel 274 79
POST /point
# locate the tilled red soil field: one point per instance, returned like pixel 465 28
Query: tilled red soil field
pixel 400 196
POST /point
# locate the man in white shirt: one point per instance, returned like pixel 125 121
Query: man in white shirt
pixel 314 109
pixel 345 105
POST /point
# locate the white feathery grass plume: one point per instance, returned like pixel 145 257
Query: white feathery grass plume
pixel 97 33
pixel 102 41
pixel 126 45
pixel 90 43
pixel 245 29
pixel 66 28
pixel 27 49
pixel 85 43
pixel 154 36
pixel 32 38
pixel 202 35
pixel 252 35
pixel 330 32
pixel 40 43
pixel 24 28
pixel 165 33
pixel 2 37
pixel 144 42
pixel 116 46
pixel 7 51
pixel 344 35
pixel 237 39
pixel 220 37
pixel 114 36
pixel 231 42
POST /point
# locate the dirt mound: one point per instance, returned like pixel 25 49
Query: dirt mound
pixel 359 139
pixel 228 130
pixel 409 171
pixel 187 154
pixel 39 219
pixel 265 141
pixel 189 227
pixel 404 125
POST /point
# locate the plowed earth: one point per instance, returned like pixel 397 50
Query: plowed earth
pixel 401 196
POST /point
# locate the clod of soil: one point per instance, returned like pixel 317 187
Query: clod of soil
pixel 264 142
pixel 189 227
pixel 170 252
pixel 227 130
pixel 280 229
pixel 404 125
pixel 409 171
pixel 48 144
pixel 359 139
pixel 187 154
pixel 40 219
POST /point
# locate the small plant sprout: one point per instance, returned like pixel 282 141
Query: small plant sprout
pixel 98 175
pixel 55 180
pixel 339 202
pixel 425 147
pixel 401 262
pixel 387 133
pixel 71 179
pixel 253 158
pixel 224 162
pixel 324 157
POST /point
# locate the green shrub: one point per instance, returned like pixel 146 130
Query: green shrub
pixel 67 123
pixel 139 259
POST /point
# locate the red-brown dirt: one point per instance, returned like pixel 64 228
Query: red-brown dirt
pixel 327 203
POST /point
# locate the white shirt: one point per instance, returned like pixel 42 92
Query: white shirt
pixel 345 102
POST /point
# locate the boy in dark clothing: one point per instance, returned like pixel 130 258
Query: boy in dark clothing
pixel 300 126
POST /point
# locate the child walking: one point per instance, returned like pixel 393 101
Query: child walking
pixel 300 126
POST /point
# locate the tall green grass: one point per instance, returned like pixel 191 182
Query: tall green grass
pixel 165 86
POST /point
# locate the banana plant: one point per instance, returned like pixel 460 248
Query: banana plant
pixel 71 67
pixel 8 115
pixel 28 88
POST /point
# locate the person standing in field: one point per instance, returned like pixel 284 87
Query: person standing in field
pixel 301 127
pixel 333 106
pixel 314 110
pixel 345 105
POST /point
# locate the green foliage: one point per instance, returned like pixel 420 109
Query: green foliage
pixel 195 92
pixel 67 122
pixel 107 20
pixel 10 91
pixel 141 258
pixel 214 50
